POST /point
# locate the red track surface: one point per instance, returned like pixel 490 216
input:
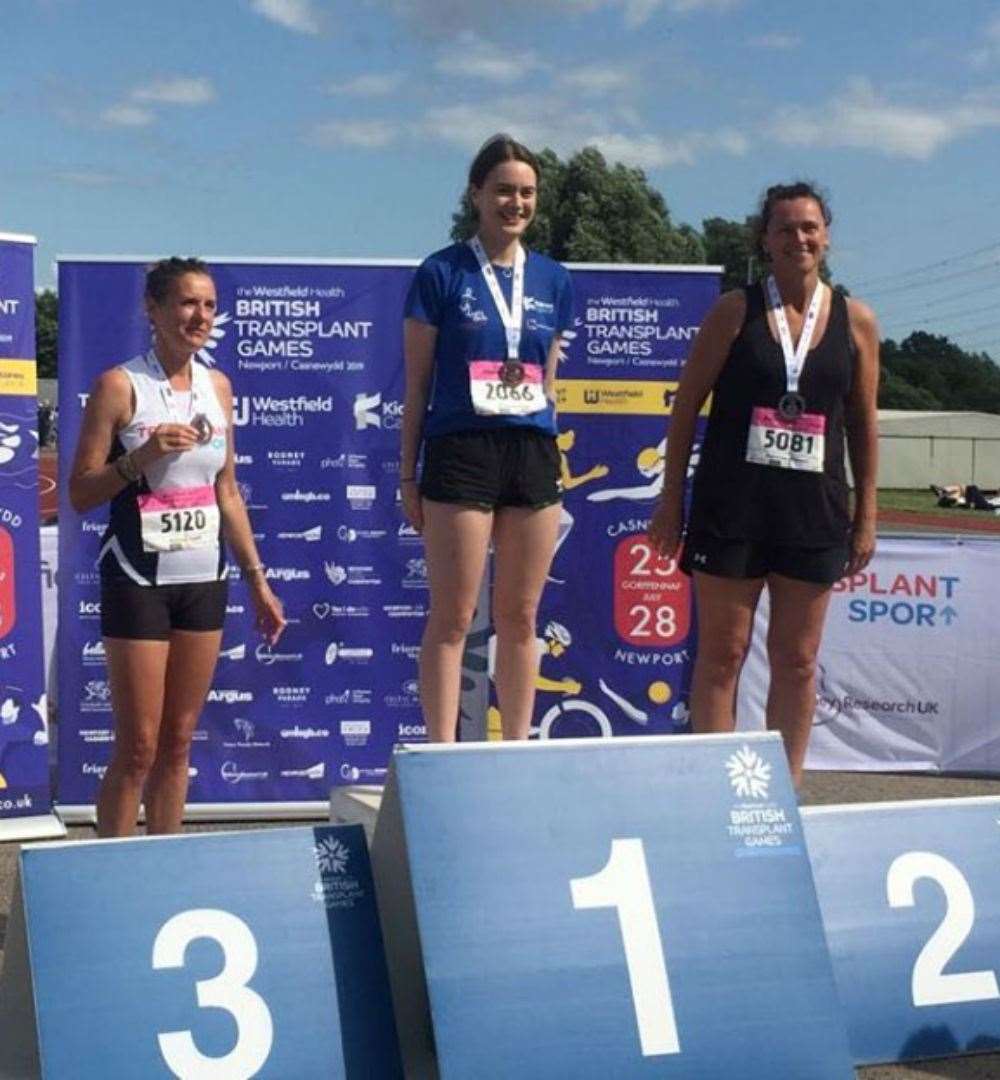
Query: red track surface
pixel 48 500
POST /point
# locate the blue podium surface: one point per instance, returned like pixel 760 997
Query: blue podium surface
pixel 910 894
pixel 250 954
pixel 592 908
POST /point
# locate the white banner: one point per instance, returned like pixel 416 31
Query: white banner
pixel 909 668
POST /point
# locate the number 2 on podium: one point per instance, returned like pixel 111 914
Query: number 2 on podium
pixel 623 884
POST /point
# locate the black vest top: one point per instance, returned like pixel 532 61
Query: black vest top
pixel 734 499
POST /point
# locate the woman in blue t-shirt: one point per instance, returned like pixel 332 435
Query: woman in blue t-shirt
pixel 482 333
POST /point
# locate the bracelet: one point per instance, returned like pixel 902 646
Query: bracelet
pixel 128 468
pixel 257 568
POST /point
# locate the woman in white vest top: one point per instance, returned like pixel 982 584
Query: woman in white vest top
pixel 157 442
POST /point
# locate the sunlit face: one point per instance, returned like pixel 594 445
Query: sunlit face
pixel 506 201
pixel 182 322
pixel 796 234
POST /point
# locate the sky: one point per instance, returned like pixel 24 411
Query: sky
pixel 344 128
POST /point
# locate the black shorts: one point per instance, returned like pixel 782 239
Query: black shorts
pixel 753 559
pixel 499 467
pixel 150 612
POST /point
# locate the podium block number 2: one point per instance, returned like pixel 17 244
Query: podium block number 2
pixel 930 985
pixel 228 990
pixel 623 884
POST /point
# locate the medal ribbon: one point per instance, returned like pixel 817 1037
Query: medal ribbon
pixel 166 390
pixel 795 358
pixel 512 317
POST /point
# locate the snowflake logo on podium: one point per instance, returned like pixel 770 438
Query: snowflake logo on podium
pixel 331 856
pixel 749 773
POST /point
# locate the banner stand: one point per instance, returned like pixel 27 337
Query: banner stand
pixel 37 827
pixel 86 813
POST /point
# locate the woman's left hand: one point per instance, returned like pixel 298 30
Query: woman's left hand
pixel 271 620
pixel 862 546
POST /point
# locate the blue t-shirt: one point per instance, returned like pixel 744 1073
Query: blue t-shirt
pixel 450 292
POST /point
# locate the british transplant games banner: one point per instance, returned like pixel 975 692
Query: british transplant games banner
pixel 314 351
pixel 24 736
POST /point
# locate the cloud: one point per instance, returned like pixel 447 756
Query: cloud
pixel 126 115
pixel 988 52
pixel 552 121
pixel 775 40
pixel 298 15
pixel 362 134
pixel 177 91
pixel 596 80
pixel 469 56
pixel 370 85
pixel 861 119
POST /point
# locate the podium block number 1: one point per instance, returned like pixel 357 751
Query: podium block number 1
pixel 228 990
pixel 623 884
pixel 929 984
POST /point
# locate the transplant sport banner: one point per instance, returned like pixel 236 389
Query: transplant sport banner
pixel 908 675
pixel 616 626
pixel 314 352
pixel 24 771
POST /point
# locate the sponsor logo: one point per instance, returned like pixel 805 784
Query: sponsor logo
pixel 277 412
pixel 331 856
pixel 355 774
pixel 230 697
pixel 286 459
pixel 93 652
pixel 412 731
pixel 361 496
pixel 311 536
pixel 92 526
pixel 91 768
pixel 243 459
pixel 313 772
pixel 345 460
pixel 265 656
pixel 305 496
pixel 286 573
pixel 415 576
pixel 233 774
pixel 371 411
pixel 236 652
pixel 411 652
pixel 291 695
pixel 336 651
pixel 246 494
pixel 89 609
pixel 351 575
pixel 96 696
pixel 298 732
pixel 615 397
pixel 749 774
pixel 335 574
pixel 404 611
pixel 246 735
pixel 355 732
pixel 234 609
pixel 407 534
pixel 341 611
pixel 350 535
pixel 97 735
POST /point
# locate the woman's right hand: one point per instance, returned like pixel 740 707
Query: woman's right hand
pixel 413 508
pixel 166 439
pixel 666 525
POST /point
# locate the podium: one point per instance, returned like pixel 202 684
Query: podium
pixel 591 908
pixel 221 955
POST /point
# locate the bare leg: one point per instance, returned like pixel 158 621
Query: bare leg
pixel 456 540
pixel 525 542
pixel 726 609
pixel 190 667
pixel 798 609
pixel 136 671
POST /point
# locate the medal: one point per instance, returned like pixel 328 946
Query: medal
pixel 512 373
pixel 203 426
pixel 791 406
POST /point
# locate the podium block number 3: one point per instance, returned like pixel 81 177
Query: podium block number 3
pixel 623 884
pixel 930 985
pixel 228 990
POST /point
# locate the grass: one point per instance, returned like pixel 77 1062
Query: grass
pixel 924 502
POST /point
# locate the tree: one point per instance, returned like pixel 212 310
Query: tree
pixel 589 211
pixel 939 373
pixel 47 334
pixel 730 244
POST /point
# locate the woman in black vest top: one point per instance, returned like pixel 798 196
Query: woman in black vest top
pixel 793 370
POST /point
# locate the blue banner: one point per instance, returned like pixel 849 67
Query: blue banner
pixel 314 352
pixel 616 626
pixel 24 773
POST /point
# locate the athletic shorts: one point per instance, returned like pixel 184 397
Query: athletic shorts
pixel 151 612
pixel 753 559
pixel 490 469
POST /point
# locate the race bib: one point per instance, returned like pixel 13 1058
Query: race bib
pixel 787 444
pixel 506 388
pixel 176 518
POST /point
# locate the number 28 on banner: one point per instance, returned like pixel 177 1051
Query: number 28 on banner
pixel 652 595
